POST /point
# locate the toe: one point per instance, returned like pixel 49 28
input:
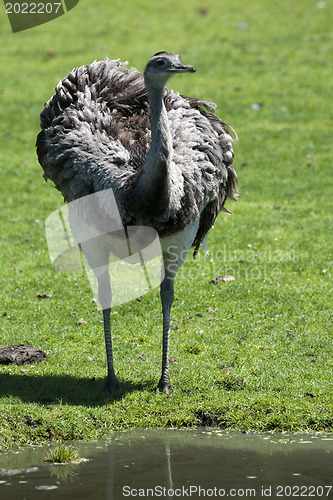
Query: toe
pixel 111 385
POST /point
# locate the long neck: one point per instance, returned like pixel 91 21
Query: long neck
pixel 151 191
pixel 160 135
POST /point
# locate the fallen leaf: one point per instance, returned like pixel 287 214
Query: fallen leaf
pixel 203 12
pixel 242 26
pixel 227 278
pixel 81 322
pixel 222 278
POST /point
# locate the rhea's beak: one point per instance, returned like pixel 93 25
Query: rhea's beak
pixel 181 68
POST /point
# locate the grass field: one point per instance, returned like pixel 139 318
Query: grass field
pixel 253 353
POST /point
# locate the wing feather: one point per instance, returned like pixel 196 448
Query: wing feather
pixel 95 134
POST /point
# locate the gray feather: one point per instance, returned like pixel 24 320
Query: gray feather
pixel 166 157
pixel 96 133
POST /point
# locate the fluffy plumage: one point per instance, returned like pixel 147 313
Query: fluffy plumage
pixel 96 135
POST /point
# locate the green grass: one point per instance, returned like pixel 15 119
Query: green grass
pixel 62 454
pixel 259 356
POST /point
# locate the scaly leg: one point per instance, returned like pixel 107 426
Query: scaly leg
pixel 104 297
pixel 111 383
pixel 175 249
pixel 167 296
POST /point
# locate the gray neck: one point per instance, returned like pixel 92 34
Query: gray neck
pixel 161 144
pixel 151 190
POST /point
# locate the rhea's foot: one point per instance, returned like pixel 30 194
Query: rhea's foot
pixel 164 385
pixel 111 385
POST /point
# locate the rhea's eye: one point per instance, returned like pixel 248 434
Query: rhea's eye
pixel 160 62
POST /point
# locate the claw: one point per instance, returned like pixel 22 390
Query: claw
pixel 164 386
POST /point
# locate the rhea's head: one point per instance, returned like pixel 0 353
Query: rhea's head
pixel 162 66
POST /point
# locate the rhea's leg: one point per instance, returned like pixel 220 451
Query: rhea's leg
pixel 167 296
pixel 175 249
pixel 111 383
pixel 104 297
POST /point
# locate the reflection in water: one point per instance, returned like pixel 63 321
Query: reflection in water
pixel 177 464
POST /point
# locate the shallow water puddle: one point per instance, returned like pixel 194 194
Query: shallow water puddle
pixel 168 463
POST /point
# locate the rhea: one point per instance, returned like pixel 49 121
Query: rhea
pixel 166 157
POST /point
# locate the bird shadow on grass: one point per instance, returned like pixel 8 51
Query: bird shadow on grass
pixel 65 389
